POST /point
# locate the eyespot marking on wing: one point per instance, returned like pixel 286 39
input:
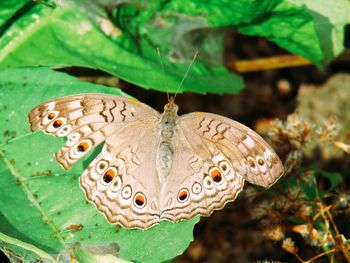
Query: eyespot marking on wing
pixel 183 195
pixel 216 175
pixel 117 184
pixel 109 175
pixel 223 166
pixel 140 200
pixel 57 123
pixel 261 161
pixel 80 149
pixel 101 166
pixel 252 165
pixel 83 146
pixel 126 192
pixel 208 182
pixel 196 188
pixel 49 117
pixel 262 165
pixel 251 162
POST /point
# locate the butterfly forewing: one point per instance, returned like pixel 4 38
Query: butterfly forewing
pixel 87 120
pixel 246 151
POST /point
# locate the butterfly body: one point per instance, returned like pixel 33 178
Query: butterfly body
pixel 166 146
pixel 154 166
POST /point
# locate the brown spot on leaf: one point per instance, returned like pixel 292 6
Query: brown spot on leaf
pixel 75 227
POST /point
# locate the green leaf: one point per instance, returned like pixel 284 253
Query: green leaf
pixel 330 19
pixel 312 29
pixel 41 203
pixel 306 187
pixel 334 178
pixel 291 27
pixel 70 36
pixel 312 190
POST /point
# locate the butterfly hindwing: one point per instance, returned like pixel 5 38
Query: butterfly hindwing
pixel 201 183
pixel 122 181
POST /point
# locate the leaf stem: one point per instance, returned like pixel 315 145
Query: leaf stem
pixel 13 241
pixel 320 255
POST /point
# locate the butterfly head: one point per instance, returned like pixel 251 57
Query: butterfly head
pixel 171 106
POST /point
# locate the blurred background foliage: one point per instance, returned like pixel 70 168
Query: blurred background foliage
pixel 293 59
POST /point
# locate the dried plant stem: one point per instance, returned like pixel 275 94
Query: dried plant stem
pixel 324 217
pixel 275 62
pixel 259 64
pixel 338 238
pixel 327 217
pixel 315 257
pixel 298 257
pixel 320 255
pixel 333 223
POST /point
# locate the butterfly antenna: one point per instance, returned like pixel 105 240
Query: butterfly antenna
pixel 162 67
pixel 186 74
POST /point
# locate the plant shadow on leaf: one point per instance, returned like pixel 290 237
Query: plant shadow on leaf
pixel 91 156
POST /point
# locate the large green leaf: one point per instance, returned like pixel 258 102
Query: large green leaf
pixel 42 204
pixel 80 34
pixel 69 35
pixel 312 29
pixel 330 19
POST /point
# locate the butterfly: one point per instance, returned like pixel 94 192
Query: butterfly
pixel 155 166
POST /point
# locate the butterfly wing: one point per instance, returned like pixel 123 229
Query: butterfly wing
pixel 213 157
pixel 86 120
pixel 122 180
